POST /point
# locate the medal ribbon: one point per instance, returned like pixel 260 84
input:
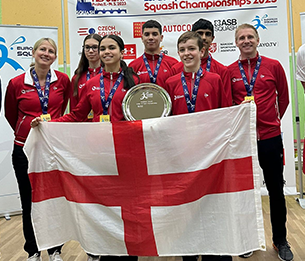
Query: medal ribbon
pixel 88 74
pixel 43 98
pixel 208 67
pixel 153 78
pixel 191 103
pixel 105 103
pixel 249 88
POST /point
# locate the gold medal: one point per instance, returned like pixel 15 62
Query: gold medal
pixel 249 98
pixel 90 115
pixel 104 118
pixel 45 117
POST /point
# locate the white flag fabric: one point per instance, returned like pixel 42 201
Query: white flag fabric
pixel 180 185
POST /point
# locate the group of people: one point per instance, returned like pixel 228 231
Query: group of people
pixel 197 83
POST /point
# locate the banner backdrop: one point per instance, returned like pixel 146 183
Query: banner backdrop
pixel 115 189
pixel 125 18
pixel 16 44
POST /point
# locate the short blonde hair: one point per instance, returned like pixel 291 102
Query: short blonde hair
pixel 246 26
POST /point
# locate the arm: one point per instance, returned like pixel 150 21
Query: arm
pixel 11 105
pixel 282 89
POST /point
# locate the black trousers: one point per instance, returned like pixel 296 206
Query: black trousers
pixel 270 156
pixel 20 164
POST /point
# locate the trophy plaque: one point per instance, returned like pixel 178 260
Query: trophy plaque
pixel 146 100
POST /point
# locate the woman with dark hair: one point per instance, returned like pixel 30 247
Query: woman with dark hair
pixel 39 92
pixel 89 66
pixel 104 93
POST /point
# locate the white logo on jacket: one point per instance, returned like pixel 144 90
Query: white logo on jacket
pixel 176 97
pixel 237 79
pixel 94 88
pixel 25 91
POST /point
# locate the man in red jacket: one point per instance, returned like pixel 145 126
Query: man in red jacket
pixel 153 66
pixel 261 79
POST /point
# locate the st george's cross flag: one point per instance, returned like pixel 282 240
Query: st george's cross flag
pixel 181 185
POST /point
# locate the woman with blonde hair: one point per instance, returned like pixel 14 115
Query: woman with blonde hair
pixel 39 92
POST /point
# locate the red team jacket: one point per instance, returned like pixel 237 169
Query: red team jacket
pixel 270 93
pixel 91 99
pixel 211 94
pixel 22 103
pixel 167 63
pixel 81 82
pixel 216 67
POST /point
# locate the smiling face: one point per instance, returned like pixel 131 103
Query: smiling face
pixel 190 54
pixel 151 39
pixel 44 55
pixel 110 54
pixel 247 41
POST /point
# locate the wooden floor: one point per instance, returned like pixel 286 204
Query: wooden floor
pixel 11 239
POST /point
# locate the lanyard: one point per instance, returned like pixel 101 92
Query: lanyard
pixel 152 77
pixel 43 98
pixel 208 67
pixel 88 74
pixel 105 103
pixel 191 103
pixel 249 88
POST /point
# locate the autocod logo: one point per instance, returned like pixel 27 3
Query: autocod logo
pixel 5 59
pixel 264 21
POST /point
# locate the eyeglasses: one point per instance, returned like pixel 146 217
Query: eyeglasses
pixel 88 47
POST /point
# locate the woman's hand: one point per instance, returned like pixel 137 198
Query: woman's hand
pixel 35 122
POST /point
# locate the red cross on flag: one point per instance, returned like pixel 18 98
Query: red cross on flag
pixel 180 185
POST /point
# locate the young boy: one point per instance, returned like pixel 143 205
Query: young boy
pixel 194 89
pixel 153 66
pixel 206 30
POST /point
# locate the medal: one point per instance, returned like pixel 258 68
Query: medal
pixel 153 78
pixel 45 117
pixel 191 102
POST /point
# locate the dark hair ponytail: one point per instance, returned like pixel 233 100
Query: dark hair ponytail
pixel 128 76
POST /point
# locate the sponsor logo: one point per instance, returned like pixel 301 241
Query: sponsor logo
pixel 81 85
pixel 268 44
pixel 213 48
pixel 137 29
pixel 221 25
pixel 94 88
pixel 237 79
pixel 146 95
pixel 140 73
pixel 25 91
pixel 227 47
pixel 176 97
pixel 21 51
pixel 206 95
pixel 100 7
pixel 172 28
pixel 102 30
pixel 263 22
pixel 130 51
